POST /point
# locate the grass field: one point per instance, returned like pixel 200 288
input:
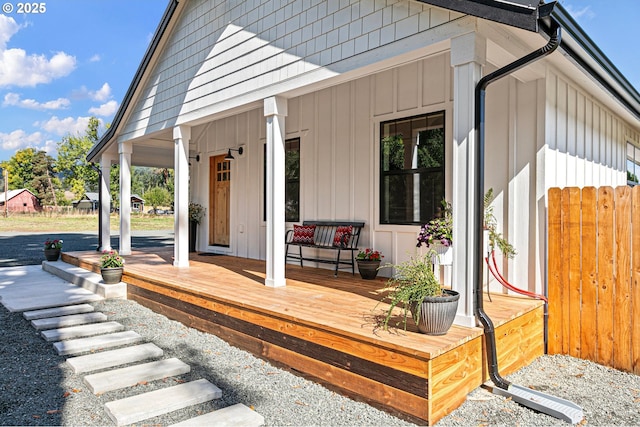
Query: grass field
pixel 67 223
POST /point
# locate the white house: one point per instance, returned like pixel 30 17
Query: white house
pixel 364 110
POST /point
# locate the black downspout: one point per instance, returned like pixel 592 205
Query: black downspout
pixel 489 330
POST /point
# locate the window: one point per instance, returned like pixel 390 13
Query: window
pixel 292 181
pixel 633 164
pixel 411 168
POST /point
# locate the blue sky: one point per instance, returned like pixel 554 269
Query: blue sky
pixel 77 58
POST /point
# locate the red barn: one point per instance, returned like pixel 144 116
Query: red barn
pixel 20 201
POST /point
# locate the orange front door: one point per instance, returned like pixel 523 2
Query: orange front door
pixel 219 197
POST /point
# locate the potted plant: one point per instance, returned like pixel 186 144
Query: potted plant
pixel 196 212
pixel 111 267
pixel 495 239
pixel 415 289
pixel 368 263
pixel 437 235
pixel 52 248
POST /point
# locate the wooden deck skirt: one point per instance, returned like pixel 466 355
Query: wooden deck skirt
pixel 324 328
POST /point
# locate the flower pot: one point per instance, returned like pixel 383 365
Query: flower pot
pixel 52 254
pixel 437 313
pixel 112 275
pixel 444 254
pixel 368 269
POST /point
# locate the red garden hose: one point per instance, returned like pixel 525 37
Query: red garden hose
pixel 496 273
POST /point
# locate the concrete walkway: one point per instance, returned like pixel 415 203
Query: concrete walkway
pixel 60 311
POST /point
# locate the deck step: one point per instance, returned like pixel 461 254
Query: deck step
pixel 235 415
pixel 111 358
pixel 131 375
pixel 81 331
pixel 58 311
pixel 84 345
pixel 66 321
pixel 158 402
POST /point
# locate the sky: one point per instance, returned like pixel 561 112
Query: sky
pixel 65 61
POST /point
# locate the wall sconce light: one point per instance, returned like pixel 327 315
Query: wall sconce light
pixel 197 157
pixel 229 156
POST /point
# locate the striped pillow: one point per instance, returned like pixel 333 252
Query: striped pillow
pixel 303 234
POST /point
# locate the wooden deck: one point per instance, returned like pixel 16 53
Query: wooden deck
pixel 325 328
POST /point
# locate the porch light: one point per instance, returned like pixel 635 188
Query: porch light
pixel 229 156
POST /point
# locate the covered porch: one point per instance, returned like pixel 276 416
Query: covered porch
pixel 324 327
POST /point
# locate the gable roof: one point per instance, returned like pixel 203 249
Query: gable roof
pixel 13 193
pixel 516 13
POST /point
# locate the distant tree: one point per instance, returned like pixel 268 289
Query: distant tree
pixel 34 170
pixel 77 174
pixel 157 196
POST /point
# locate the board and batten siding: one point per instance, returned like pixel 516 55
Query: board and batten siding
pixel 221 50
pixel 338 131
pixel 585 141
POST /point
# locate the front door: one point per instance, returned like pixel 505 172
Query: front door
pixel 219 197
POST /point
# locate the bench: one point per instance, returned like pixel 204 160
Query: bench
pixel 338 236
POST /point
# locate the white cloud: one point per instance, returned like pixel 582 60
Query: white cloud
pixel 101 94
pixel 105 110
pixel 13 99
pixel 95 58
pixel 19 139
pixel 585 12
pixel 67 126
pixel 17 68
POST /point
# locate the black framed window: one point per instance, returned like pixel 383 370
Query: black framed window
pixel 411 168
pixel 292 181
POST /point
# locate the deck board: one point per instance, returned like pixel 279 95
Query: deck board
pixel 325 327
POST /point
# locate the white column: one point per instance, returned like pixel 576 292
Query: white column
pixel 181 137
pixel 468 55
pixel 275 111
pixel 106 160
pixel 125 149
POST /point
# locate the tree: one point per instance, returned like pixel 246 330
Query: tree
pixel 77 174
pixel 157 196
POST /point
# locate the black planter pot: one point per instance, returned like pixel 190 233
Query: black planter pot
pixel 52 254
pixel 193 233
pixel 368 269
pixel 437 313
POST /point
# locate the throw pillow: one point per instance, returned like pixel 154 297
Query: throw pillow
pixel 342 230
pixel 303 234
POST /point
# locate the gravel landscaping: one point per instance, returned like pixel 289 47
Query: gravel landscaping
pixel 37 388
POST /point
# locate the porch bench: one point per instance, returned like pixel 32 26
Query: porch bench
pixel 337 236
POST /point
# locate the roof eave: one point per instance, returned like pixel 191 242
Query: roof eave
pixel 516 13
pixel 117 119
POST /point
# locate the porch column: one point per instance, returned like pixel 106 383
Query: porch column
pixel 275 111
pixel 468 55
pixel 106 160
pixel 181 137
pixel 125 149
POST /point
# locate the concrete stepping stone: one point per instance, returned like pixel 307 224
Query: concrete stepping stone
pixel 111 358
pixel 158 402
pixel 132 375
pixel 58 311
pixel 66 321
pixel 236 415
pixel 81 331
pixel 84 345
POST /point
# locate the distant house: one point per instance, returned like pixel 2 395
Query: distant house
pixel 137 203
pixel 20 201
pixel 91 202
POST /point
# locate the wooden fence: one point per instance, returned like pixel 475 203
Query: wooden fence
pixel 594 275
